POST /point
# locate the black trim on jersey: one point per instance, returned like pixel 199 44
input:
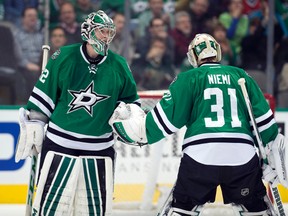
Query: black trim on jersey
pixel 167 130
pixel 44 102
pixel 262 123
pixel 218 140
pixel 265 121
pixel 91 60
pixel 88 140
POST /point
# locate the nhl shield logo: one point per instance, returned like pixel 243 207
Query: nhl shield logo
pixel 244 191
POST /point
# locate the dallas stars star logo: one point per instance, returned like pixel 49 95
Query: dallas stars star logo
pixel 85 99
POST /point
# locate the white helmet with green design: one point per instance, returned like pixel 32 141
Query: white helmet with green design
pixel 98 24
pixel 203 46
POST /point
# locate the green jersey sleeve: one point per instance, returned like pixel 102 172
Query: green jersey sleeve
pixel 263 114
pixel 171 113
pixel 46 90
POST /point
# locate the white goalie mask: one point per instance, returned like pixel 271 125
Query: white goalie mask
pixel 98 23
pixel 201 47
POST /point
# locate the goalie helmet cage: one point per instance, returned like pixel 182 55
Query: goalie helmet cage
pixel 160 174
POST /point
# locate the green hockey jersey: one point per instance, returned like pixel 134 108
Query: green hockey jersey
pixel 79 97
pixel 209 102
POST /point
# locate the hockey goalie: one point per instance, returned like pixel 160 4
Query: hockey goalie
pixel 219 147
pixel 74 97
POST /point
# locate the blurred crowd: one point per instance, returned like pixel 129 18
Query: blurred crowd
pixel 154 38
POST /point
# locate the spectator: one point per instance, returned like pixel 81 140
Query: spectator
pixel 14 9
pixel 156 31
pixel 57 39
pixel 229 56
pixel 68 23
pixel 254 47
pixel 216 7
pixel 55 6
pixel 11 80
pixel 30 40
pixel 198 11
pixel 281 14
pixel 181 5
pixel 236 23
pixel 262 14
pixel 155 10
pixel 182 35
pixel 118 43
pixel 281 69
pixel 158 73
pixel 83 8
pixel 251 6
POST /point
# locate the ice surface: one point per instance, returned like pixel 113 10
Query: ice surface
pixel 211 210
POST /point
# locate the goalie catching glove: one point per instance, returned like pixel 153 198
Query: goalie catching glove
pixel 128 123
pixel 31 136
pixel 276 170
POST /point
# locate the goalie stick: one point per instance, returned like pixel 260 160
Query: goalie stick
pixel 30 193
pixel 167 204
pixel 262 154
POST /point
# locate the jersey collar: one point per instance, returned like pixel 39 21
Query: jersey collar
pixel 209 64
pixel 97 61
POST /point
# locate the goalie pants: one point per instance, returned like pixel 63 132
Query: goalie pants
pixel 197 184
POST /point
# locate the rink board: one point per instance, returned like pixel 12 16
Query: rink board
pixel 16 194
pixel 131 174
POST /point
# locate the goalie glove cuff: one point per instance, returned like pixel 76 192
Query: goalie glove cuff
pixel 31 136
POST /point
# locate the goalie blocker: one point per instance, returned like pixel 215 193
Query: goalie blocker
pixel 88 180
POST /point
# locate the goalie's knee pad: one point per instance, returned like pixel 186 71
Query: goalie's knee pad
pixel 94 193
pixel 56 187
pixel 196 211
pixel 240 210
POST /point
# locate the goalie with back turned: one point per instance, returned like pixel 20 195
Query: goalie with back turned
pixel 75 96
pixel 219 146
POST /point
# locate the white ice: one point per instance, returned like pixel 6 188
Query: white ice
pixel 210 210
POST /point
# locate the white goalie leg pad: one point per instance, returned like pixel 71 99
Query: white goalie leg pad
pixel 94 193
pixel 56 188
pixel 196 211
pixel 129 123
pixel 278 158
pixel 240 210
